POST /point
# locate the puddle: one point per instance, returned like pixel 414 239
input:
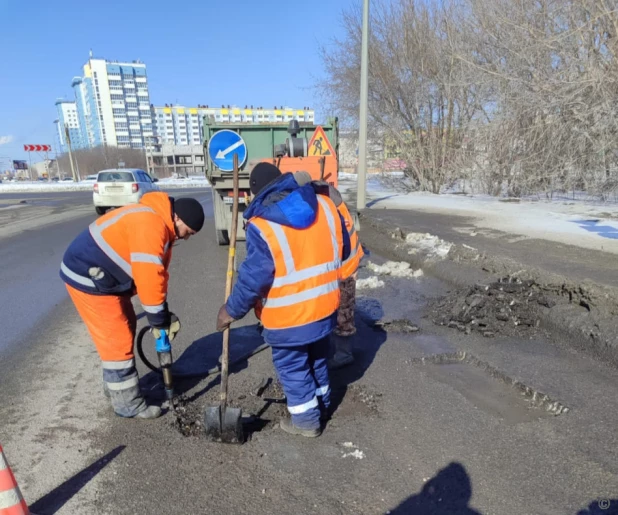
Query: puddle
pixel 485 393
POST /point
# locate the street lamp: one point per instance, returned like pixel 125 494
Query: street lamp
pixel 362 131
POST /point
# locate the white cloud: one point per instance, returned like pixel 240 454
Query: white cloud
pixel 5 139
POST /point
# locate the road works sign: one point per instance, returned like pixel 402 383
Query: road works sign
pixel 319 144
pixel 223 145
pixel 37 148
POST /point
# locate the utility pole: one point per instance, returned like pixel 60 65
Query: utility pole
pixel 362 130
pixel 66 132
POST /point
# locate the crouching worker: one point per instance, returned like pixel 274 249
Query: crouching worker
pixel 296 241
pixel 346 327
pixel 126 252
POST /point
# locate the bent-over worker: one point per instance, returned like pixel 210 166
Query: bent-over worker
pixel 125 252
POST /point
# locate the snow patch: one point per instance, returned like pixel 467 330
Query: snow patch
pixel 428 244
pixel 358 454
pixel 369 283
pixel 395 269
pixel 40 186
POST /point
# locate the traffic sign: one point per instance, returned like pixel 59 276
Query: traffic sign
pixel 223 145
pixel 37 148
pixel 319 144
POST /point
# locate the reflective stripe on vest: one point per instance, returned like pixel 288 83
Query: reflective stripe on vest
pixel 79 279
pixel 311 293
pixel 97 234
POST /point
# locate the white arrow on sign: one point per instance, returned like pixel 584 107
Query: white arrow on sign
pixel 222 153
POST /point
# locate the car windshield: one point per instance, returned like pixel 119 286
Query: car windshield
pixel 115 177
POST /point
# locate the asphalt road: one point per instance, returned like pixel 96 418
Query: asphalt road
pixel 29 277
pixel 408 436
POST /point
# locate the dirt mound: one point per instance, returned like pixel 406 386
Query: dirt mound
pixel 508 306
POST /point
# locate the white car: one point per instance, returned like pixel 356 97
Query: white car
pixel 119 187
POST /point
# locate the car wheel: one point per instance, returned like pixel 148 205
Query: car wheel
pixel 100 210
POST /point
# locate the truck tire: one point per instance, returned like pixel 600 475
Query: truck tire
pixel 222 237
pixel 100 210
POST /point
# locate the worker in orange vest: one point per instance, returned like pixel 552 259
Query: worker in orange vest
pixel 346 327
pixel 125 252
pixel 296 241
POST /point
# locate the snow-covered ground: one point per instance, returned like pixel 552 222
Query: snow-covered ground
pixel 86 185
pixel 584 223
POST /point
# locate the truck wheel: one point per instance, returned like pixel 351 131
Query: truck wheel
pixel 100 210
pixel 222 237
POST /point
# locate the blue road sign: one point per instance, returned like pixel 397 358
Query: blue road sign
pixel 223 145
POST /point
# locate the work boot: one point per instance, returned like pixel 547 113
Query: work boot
pixel 343 352
pixel 149 413
pixel 340 360
pixel 288 426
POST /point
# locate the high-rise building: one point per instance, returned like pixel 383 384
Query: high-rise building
pixel 113 104
pixel 181 125
pixel 68 119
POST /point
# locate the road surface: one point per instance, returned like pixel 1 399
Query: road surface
pixel 418 429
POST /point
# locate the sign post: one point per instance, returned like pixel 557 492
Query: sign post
pixel 362 130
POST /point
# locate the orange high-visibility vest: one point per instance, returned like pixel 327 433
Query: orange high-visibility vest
pixel 350 265
pixel 307 269
pixel 134 238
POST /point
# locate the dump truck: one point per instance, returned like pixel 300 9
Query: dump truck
pixel 290 146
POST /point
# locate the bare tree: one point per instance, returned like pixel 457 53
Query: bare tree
pixel 514 97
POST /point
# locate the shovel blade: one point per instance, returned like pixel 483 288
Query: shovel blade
pixel 223 425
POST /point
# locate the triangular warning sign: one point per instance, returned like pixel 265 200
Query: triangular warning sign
pixel 319 144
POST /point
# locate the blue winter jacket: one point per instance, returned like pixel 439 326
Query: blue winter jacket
pixel 285 203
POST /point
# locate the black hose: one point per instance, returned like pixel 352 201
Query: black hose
pixel 215 370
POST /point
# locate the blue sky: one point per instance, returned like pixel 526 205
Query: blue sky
pixel 260 52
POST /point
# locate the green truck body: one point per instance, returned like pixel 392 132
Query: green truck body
pixel 261 140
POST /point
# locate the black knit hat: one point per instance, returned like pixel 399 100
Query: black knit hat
pixel 191 212
pixel 262 175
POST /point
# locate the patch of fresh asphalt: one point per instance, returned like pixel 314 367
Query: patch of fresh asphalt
pixel 406 438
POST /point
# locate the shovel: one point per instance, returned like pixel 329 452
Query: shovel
pixel 223 424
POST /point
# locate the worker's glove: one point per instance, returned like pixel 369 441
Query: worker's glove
pixel 223 319
pixel 172 329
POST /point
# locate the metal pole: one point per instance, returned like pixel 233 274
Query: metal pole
pixel 68 138
pixel 362 130
pixel 30 166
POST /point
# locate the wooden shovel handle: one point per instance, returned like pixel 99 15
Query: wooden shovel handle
pixel 225 355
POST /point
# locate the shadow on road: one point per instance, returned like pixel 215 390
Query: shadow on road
pixel 375 201
pixel 197 359
pixel 57 498
pixel 447 493
pixel 601 507
pixel 365 344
